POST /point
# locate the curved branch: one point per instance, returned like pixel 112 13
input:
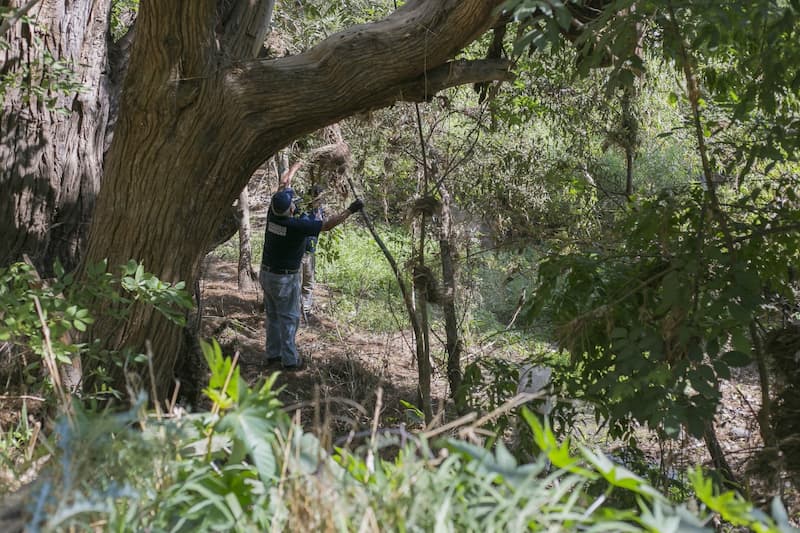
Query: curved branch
pixel 406 56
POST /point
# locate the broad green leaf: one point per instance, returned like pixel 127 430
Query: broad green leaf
pixel 254 432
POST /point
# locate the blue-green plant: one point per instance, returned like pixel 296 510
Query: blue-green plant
pixel 243 467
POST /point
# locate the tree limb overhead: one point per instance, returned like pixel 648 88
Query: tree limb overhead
pixel 405 56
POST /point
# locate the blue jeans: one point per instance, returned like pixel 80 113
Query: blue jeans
pixel 282 305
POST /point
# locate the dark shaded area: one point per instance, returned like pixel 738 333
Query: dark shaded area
pixel 18 179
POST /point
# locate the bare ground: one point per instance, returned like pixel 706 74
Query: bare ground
pixel 345 369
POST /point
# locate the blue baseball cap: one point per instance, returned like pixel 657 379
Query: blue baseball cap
pixel 282 202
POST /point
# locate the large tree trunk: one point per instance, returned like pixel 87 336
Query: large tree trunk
pixel 197 117
pixel 51 151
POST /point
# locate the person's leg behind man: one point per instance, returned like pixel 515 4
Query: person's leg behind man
pixel 307 286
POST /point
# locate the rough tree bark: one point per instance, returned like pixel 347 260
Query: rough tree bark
pixel 52 142
pixel 199 117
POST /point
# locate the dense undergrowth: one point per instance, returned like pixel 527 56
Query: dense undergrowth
pixel 653 300
pixel 244 466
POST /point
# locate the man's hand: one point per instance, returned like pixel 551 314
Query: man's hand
pixel 356 206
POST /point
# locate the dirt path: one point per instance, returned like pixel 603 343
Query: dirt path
pixel 346 366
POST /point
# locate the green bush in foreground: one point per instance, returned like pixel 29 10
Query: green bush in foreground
pixel 244 466
pixel 40 320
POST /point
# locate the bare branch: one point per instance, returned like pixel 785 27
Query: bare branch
pixel 452 75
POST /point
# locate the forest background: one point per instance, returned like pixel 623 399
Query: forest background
pixel 623 211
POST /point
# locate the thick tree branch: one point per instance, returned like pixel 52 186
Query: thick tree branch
pixel 403 57
pixel 449 75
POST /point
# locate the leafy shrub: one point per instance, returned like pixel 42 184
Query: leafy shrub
pixel 243 466
pixel 656 318
pixel 42 320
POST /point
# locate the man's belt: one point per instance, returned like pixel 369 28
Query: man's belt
pixel 283 271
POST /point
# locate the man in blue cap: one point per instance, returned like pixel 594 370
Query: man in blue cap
pixel 284 246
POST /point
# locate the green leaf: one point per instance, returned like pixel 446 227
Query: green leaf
pixel 559 455
pixel 129 268
pixel 619 476
pixel 736 359
pixel 672 99
pixel 695 427
pixel 563 17
pixel 740 341
pixel 58 269
pixel 254 432
pixel 468 450
pixel 139 274
pixel 63 358
pixel 722 369
pixel 221 367
pixel 504 458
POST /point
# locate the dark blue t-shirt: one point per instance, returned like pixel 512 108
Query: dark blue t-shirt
pixel 285 240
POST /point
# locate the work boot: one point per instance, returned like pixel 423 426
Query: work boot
pixel 300 365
